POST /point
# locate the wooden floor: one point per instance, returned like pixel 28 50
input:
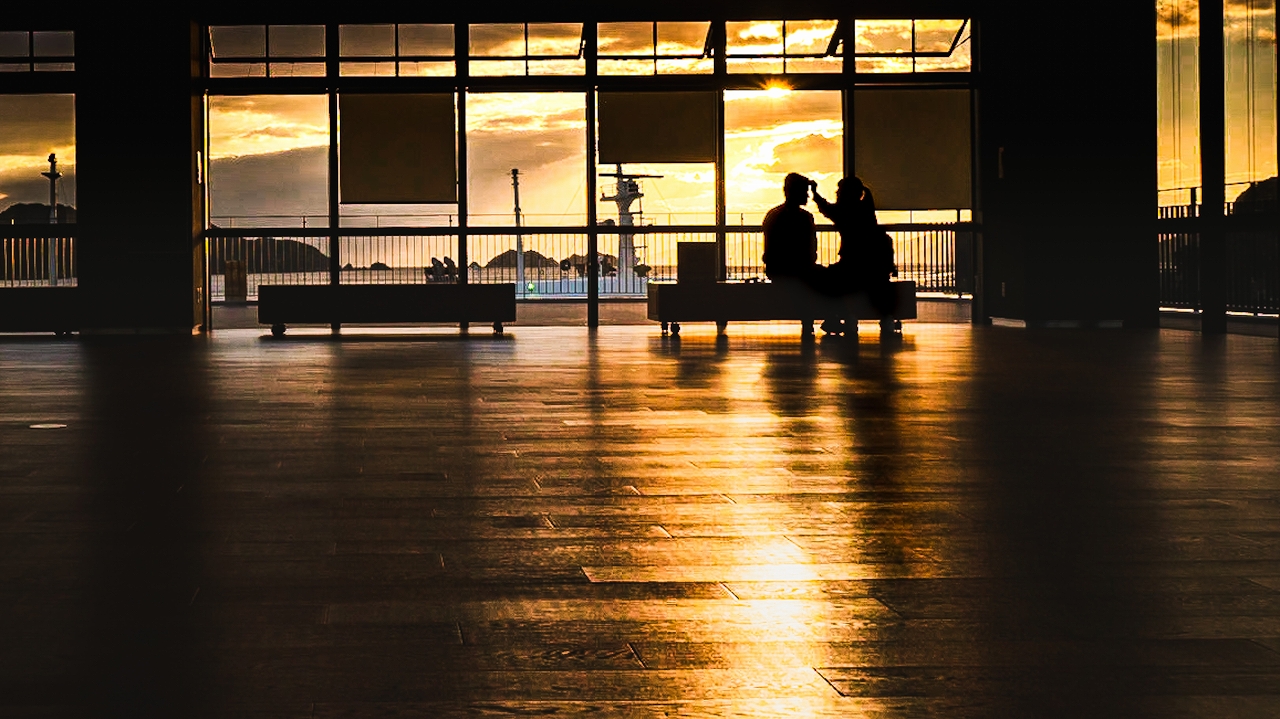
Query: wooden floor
pixel 968 523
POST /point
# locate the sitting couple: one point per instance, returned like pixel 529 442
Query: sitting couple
pixel 866 251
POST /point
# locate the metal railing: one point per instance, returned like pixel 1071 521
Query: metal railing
pixel 38 256
pixel 1252 281
pixel 547 262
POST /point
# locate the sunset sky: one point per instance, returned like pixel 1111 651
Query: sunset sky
pixel 268 152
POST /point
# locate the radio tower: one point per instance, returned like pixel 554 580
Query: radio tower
pixel 52 258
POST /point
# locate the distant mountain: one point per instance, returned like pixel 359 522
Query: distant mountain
pixel 35 213
pixel 532 258
pixel 1260 197
pixel 266 254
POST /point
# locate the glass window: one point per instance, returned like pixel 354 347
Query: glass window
pixel 905 46
pixel 268 161
pixel 769 133
pixel 32 127
pixel 648 48
pixel 296 41
pixel 506 49
pixel 41 51
pixel 60 43
pixel 790 46
pixel 367 40
pixel 542 134
pixel 1177 109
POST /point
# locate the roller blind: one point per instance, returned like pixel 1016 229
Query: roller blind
pixel 397 149
pixel 657 127
pixel 913 147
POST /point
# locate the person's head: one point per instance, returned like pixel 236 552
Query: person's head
pixel 850 188
pixel 796 189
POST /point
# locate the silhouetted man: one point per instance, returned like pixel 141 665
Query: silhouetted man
pixel 866 254
pixel 790 241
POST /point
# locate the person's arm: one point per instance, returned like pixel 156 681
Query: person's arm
pixel 826 208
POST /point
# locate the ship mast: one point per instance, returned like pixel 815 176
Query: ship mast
pixel 625 192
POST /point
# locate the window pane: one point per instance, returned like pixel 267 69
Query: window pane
pixel 367 40
pixel 773 132
pixel 268 160
pixel 54 44
pixel 682 38
pixel 936 35
pixel 238 69
pixel 426 69
pixel 881 36
pixel 31 128
pixel 541 134
pixel 297 41
pixel 754 38
pixel 13 44
pixel 625 67
pixel 809 37
pixel 497 40
pixel 625 38
pixel 368 69
pixel 430 40
pixel 562 39
pixel 297 69
pixel 1177 109
pixel 238 41
pixel 1250 55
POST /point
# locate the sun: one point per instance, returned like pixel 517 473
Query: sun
pixel 776 90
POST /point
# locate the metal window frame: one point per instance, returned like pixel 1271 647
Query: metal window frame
pixel 589 83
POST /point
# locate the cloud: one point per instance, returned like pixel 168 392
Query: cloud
pixel 35 125
pixel 265 124
pixel 292 184
pixel 809 154
pixel 1180 19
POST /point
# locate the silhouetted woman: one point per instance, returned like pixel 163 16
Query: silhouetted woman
pixel 866 253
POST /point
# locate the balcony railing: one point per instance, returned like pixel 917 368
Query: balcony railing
pixel 38 256
pixel 548 262
pixel 1252 271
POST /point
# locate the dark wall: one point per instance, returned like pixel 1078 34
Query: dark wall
pixel 139 123
pixel 1070 96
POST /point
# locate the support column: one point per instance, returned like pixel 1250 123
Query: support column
pixel 593 230
pixel 721 70
pixel 461 40
pixel 1213 170
pixel 139 142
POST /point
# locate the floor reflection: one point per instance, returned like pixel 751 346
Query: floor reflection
pixel 970 522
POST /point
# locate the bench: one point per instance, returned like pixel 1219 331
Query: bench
pixel 40 309
pixel 723 302
pixel 282 305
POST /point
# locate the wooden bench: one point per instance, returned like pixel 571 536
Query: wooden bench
pixel 282 305
pixel 723 302
pixel 40 309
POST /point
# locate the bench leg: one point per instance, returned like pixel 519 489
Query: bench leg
pixel 497 328
pixel 675 329
pixel 721 325
pixel 666 328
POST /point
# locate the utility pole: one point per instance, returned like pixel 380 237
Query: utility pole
pixel 515 186
pixel 51 245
